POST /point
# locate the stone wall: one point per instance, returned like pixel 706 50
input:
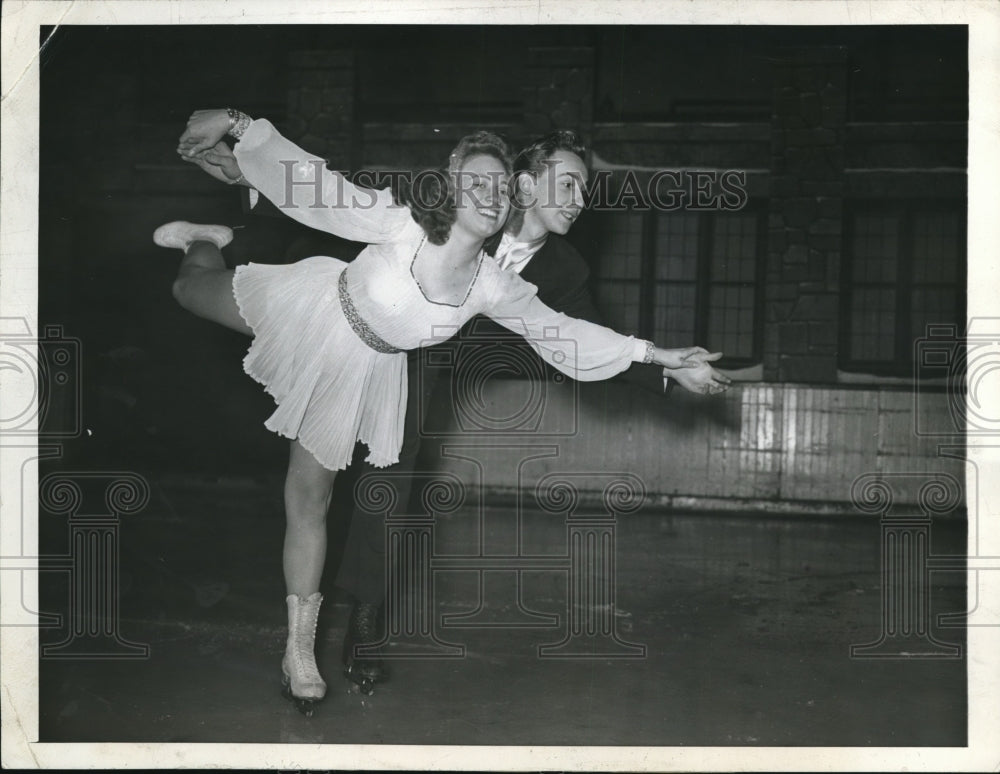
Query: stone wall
pixel 806 203
pixel 559 91
pixel 321 97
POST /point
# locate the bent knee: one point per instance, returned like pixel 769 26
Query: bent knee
pixel 200 290
pixel 183 292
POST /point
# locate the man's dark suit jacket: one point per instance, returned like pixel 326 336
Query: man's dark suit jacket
pixel 563 280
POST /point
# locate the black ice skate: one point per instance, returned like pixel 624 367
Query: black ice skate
pixel 364 629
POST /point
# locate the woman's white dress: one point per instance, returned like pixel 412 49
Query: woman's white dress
pixel 332 388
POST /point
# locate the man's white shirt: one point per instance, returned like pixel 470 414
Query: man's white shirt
pixel 514 254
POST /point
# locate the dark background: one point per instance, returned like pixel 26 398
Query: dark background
pixel 165 390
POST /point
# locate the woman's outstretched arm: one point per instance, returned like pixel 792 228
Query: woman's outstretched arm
pixel 580 349
pixel 297 182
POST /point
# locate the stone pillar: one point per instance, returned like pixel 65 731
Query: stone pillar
pixel 321 95
pixel 808 121
pixel 559 91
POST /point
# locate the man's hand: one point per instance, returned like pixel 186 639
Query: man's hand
pixel 219 162
pixel 690 366
pixel 204 129
pixel 702 379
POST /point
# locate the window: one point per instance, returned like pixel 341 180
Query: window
pixel 682 278
pixel 619 269
pixel 904 269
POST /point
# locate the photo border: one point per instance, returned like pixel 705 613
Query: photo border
pixel 18 299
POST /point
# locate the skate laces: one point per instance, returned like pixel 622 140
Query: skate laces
pixel 303 649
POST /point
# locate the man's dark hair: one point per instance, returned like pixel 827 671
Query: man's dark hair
pixel 531 161
pixel 532 158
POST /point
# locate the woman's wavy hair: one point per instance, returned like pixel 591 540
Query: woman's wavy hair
pixel 431 194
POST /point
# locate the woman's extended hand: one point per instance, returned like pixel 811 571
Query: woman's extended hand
pixel 219 162
pixel 204 129
pixel 684 357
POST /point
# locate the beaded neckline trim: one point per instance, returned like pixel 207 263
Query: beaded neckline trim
pixel 468 292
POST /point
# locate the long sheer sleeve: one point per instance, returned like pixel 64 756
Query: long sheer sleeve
pixel 301 186
pixel 582 350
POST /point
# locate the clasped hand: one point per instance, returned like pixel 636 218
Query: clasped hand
pixel 202 145
pixel 203 131
pixel 690 368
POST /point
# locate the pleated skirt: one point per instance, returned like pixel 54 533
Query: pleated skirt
pixel 331 389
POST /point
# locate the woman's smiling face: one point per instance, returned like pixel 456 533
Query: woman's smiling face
pixel 481 195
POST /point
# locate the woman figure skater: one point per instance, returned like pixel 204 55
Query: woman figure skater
pixel 330 338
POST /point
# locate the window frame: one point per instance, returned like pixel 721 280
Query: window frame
pixel 906 210
pixel 649 282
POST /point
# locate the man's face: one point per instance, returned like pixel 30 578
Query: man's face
pixel 556 196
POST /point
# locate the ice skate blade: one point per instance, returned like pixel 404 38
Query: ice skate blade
pixel 361 682
pixel 304 705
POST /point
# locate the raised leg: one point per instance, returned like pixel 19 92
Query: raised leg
pixel 204 286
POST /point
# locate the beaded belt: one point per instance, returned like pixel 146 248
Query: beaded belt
pixel 358 325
